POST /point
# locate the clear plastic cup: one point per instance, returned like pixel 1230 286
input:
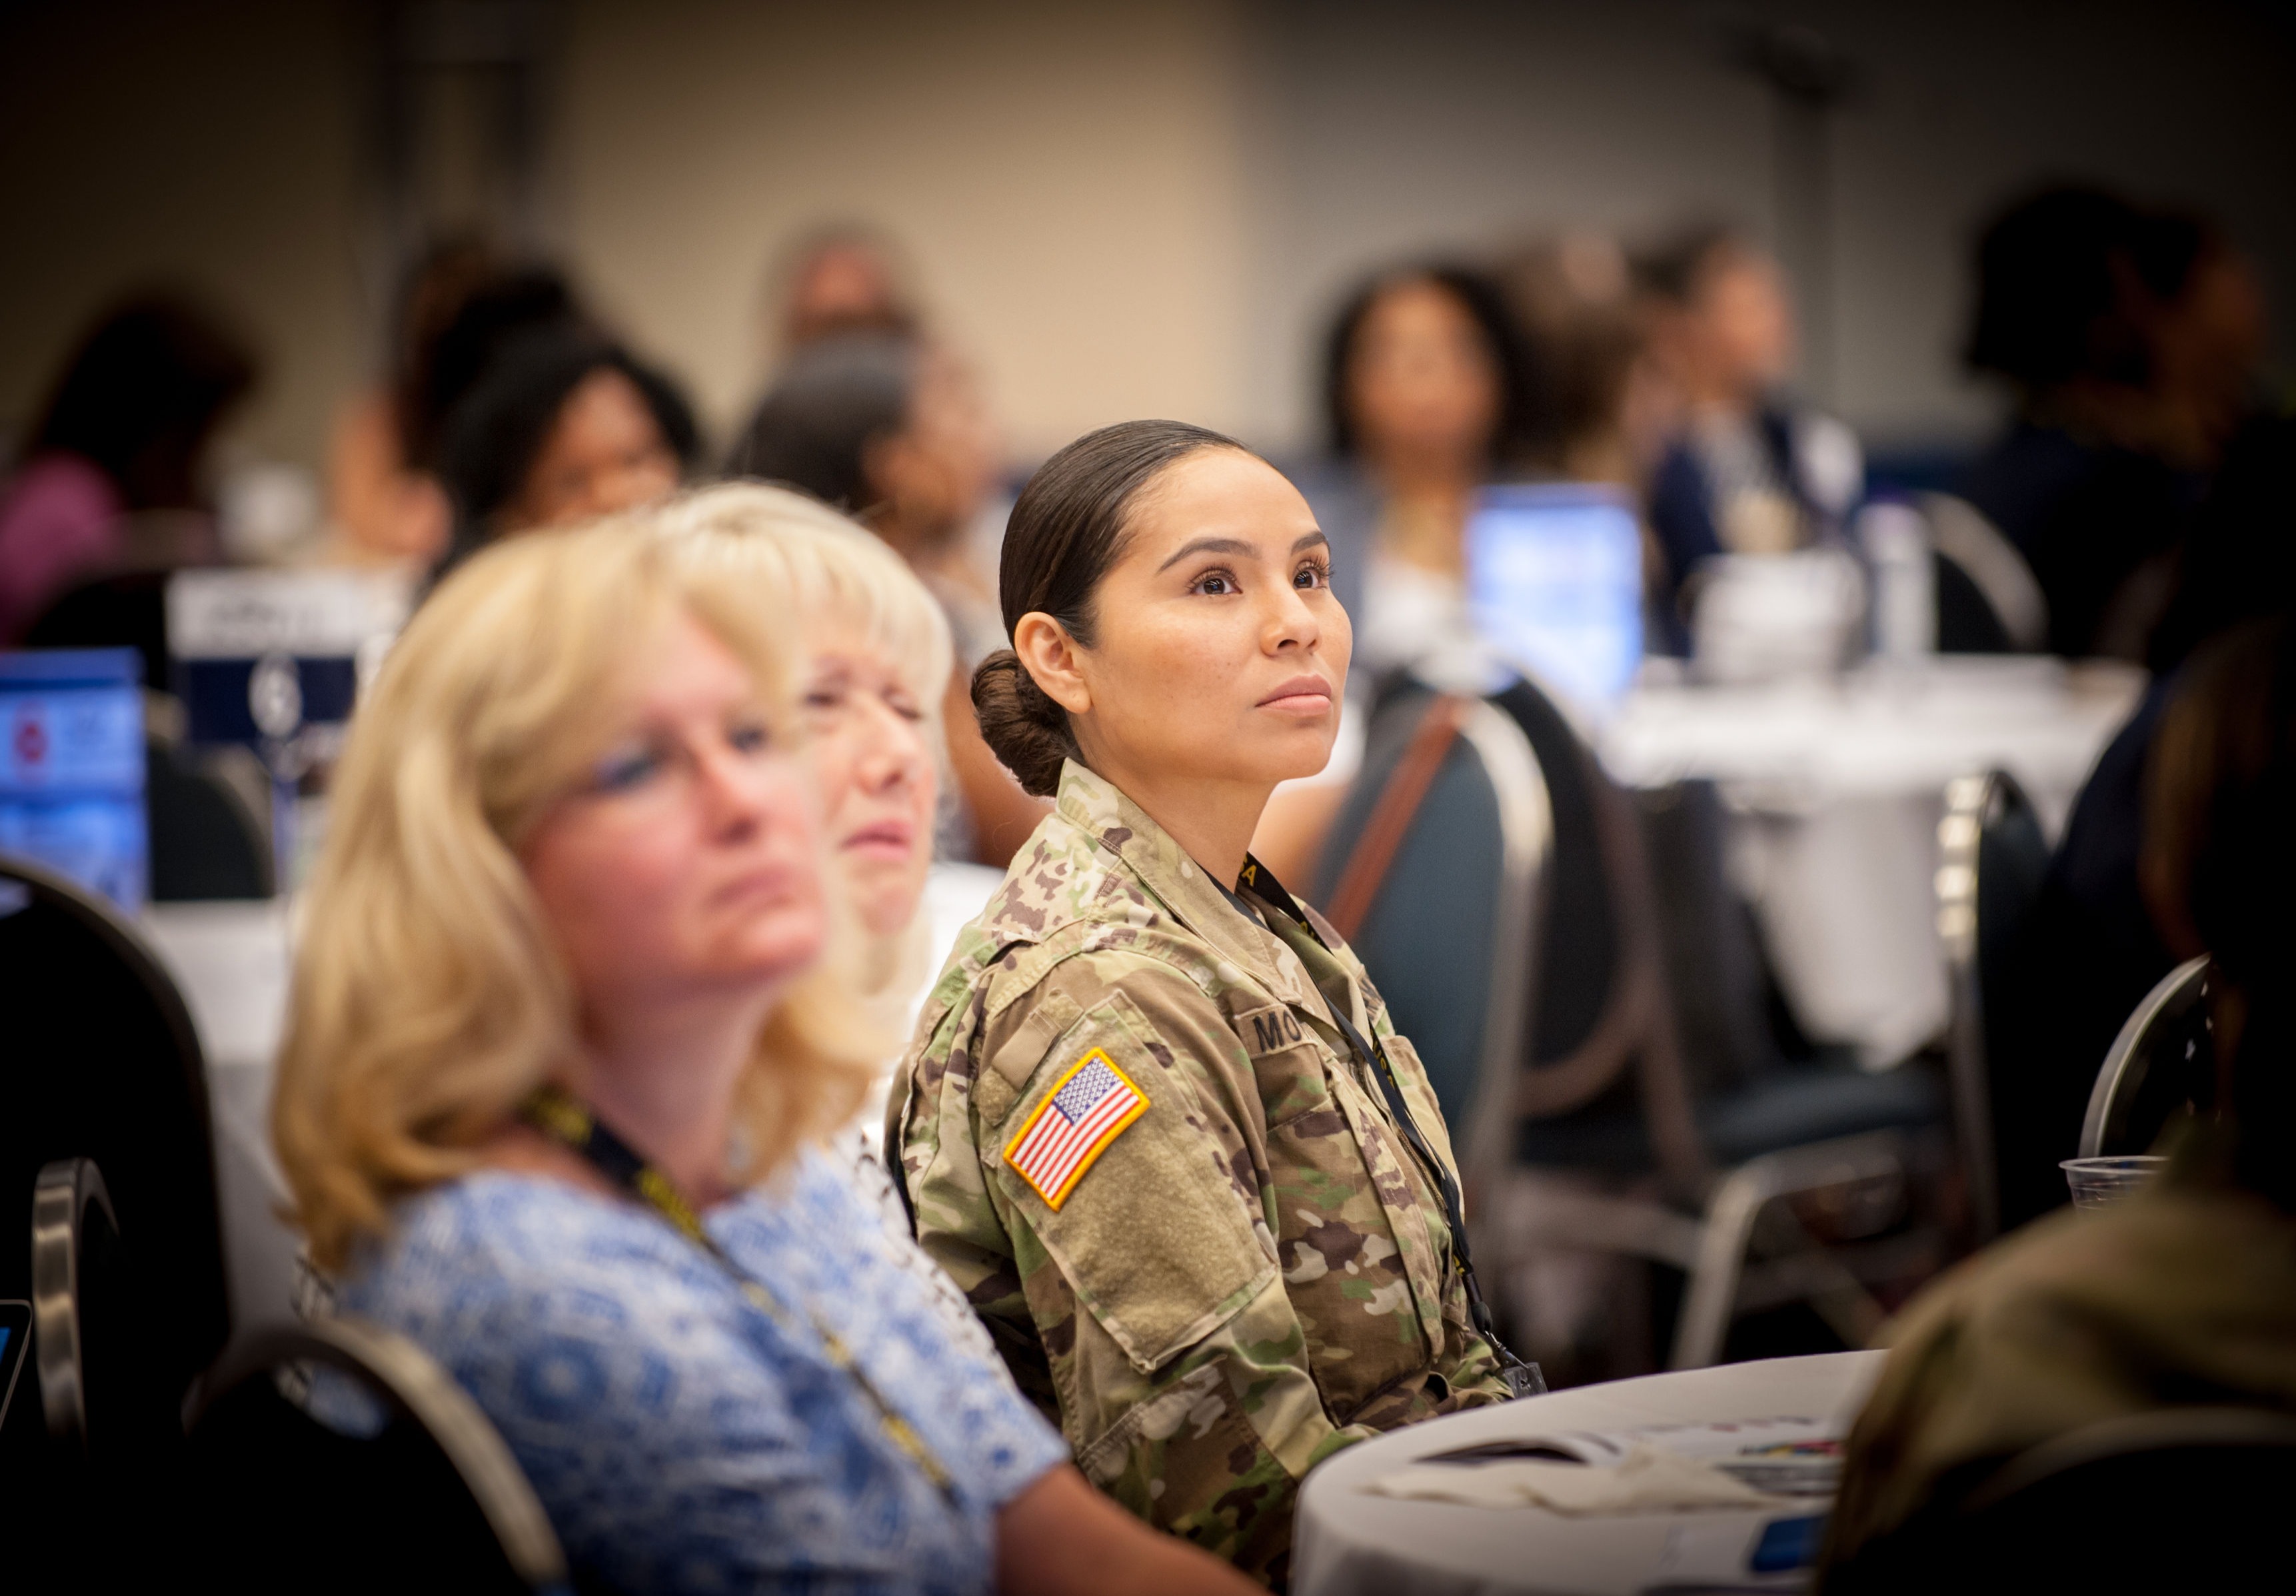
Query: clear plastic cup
pixel 2101 1182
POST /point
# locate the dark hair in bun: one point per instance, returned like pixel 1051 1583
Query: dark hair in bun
pixel 1066 530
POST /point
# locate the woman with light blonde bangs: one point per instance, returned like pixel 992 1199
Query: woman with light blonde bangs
pixel 567 1018
pixel 877 659
pixel 875 663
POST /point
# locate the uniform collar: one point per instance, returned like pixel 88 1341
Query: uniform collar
pixel 1116 825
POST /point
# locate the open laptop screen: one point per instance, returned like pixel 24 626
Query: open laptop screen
pixel 71 767
pixel 1554 582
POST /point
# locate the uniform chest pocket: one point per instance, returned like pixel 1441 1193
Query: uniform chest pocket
pixel 1159 1233
pixel 1349 1277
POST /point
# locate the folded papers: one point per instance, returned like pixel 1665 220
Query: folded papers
pixel 1647 1480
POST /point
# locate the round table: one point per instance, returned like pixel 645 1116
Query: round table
pixel 1350 1542
pixel 1835 787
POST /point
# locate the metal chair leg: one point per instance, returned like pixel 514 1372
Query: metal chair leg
pixel 1738 1200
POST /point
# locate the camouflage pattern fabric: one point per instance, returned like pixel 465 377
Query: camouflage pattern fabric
pixel 1254 1272
pixel 2185 1294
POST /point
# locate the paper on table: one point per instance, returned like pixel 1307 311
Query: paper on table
pixel 1647 1480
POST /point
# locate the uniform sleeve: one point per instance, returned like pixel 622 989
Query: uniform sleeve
pixel 1149 1275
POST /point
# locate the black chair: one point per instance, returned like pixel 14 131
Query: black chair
pixel 337 1454
pixel 101 1065
pixel 1596 1080
pixel 206 843
pixel 1991 860
pixel 2162 1064
pixel 2178 1499
pixel 75 1250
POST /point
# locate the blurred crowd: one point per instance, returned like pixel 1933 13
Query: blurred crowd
pixel 2117 514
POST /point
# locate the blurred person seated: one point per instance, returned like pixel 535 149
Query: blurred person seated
pixel 1609 414
pixel 1747 472
pixel 562 427
pixel 569 1012
pixel 2089 951
pixel 1428 395
pixel 385 506
pixel 894 431
pixel 118 451
pixel 2130 339
pixel 845 277
pixel 2186 1293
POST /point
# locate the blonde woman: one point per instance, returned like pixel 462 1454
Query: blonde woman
pixel 567 1014
pixel 877 659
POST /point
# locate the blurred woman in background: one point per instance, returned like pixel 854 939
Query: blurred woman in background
pixel 561 427
pixel 568 1011
pixel 123 435
pixel 844 277
pixel 894 433
pixel 1428 396
pixel 1609 413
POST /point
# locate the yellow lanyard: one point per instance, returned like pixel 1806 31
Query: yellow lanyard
pixel 567 1120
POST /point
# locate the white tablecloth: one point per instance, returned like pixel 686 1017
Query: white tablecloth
pixel 1836 788
pixel 1349 1543
pixel 231 961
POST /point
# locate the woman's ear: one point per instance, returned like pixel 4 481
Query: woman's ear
pixel 1050 655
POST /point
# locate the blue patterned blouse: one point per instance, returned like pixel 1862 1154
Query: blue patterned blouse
pixel 680 1438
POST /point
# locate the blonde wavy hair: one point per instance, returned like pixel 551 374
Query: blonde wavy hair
pixel 783 554
pixel 428 998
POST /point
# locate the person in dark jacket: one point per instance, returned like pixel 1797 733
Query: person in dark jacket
pixel 2128 339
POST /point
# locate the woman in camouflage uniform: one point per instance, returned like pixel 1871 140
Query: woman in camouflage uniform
pixel 1156 1123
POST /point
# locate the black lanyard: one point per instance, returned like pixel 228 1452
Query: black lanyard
pixel 567 1120
pixel 1522 1379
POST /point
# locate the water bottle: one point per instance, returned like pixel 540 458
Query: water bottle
pixel 1897 543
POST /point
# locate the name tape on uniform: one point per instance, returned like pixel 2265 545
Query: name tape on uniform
pixel 1086 1110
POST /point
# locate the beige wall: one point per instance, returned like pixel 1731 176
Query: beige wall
pixel 1129 208
pixel 1065 176
pixel 211 145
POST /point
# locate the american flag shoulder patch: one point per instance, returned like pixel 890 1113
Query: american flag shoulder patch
pixel 1086 1110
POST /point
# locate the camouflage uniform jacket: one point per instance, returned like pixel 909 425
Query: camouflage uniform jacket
pixel 1252 1273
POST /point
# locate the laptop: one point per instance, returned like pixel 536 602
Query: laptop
pixel 1555 584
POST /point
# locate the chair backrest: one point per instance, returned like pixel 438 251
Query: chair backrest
pixel 1991 859
pixel 1460 824
pixel 381 1459
pixel 74 1241
pixel 205 844
pixel 2163 1061
pixel 1989 564
pixel 102 1063
pixel 1591 962
pixel 2177 1499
